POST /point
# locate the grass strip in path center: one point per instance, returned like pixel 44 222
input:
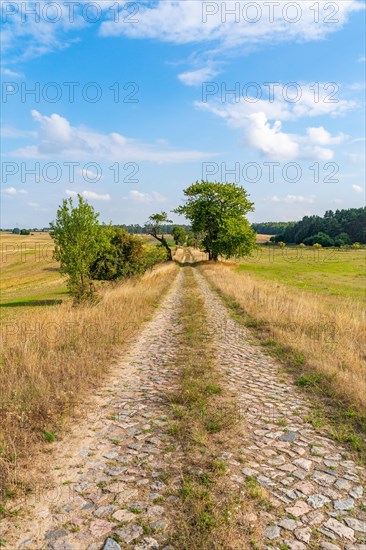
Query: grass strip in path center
pixel 204 420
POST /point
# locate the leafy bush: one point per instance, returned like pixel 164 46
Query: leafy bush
pixel 320 238
pixel 342 240
pixel 154 254
pixel 122 257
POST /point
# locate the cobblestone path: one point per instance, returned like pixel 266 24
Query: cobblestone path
pixel 316 491
pixel 115 481
pixel 118 479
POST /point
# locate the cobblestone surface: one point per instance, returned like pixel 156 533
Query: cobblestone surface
pixel 315 489
pixel 117 485
pixel 114 489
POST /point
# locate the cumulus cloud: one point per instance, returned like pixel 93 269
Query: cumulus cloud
pixel 58 138
pixel 138 196
pixel 320 136
pixel 268 139
pixel 91 195
pixel 272 142
pixel 12 191
pixel 262 122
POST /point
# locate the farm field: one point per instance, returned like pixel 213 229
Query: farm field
pixel 29 275
pixel 330 272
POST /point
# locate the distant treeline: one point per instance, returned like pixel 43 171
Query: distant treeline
pixel 271 228
pixel 137 229
pixel 342 227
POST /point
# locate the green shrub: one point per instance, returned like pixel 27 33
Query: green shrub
pixel 122 257
pixel 154 254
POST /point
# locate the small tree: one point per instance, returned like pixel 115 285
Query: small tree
pixel 153 227
pixel 317 245
pixel 78 240
pixel 282 244
pixel 179 235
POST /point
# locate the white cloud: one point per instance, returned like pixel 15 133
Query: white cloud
pixel 12 74
pixel 91 195
pixel 33 204
pixel 138 196
pixel 191 21
pixel 291 199
pixel 361 59
pixel 274 103
pixel 58 138
pixel 90 175
pixel 320 136
pixel 175 22
pixel 262 122
pixel 12 191
pixel 10 132
pixel 357 188
pixel 272 142
pixel 195 78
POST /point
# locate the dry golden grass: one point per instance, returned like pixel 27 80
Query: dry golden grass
pixel 262 238
pixel 53 355
pixel 327 334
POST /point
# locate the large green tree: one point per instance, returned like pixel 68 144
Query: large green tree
pixel 218 212
pixel 78 241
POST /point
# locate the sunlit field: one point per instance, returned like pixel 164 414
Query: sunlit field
pixel 328 271
pixel 29 275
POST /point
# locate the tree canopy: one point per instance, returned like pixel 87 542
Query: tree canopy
pixel 78 241
pixel 342 227
pixel 218 212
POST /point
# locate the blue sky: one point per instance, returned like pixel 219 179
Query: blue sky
pixel 292 133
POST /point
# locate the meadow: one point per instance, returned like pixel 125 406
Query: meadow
pixel 330 272
pixel 29 275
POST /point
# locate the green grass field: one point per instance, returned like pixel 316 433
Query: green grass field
pixel 331 272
